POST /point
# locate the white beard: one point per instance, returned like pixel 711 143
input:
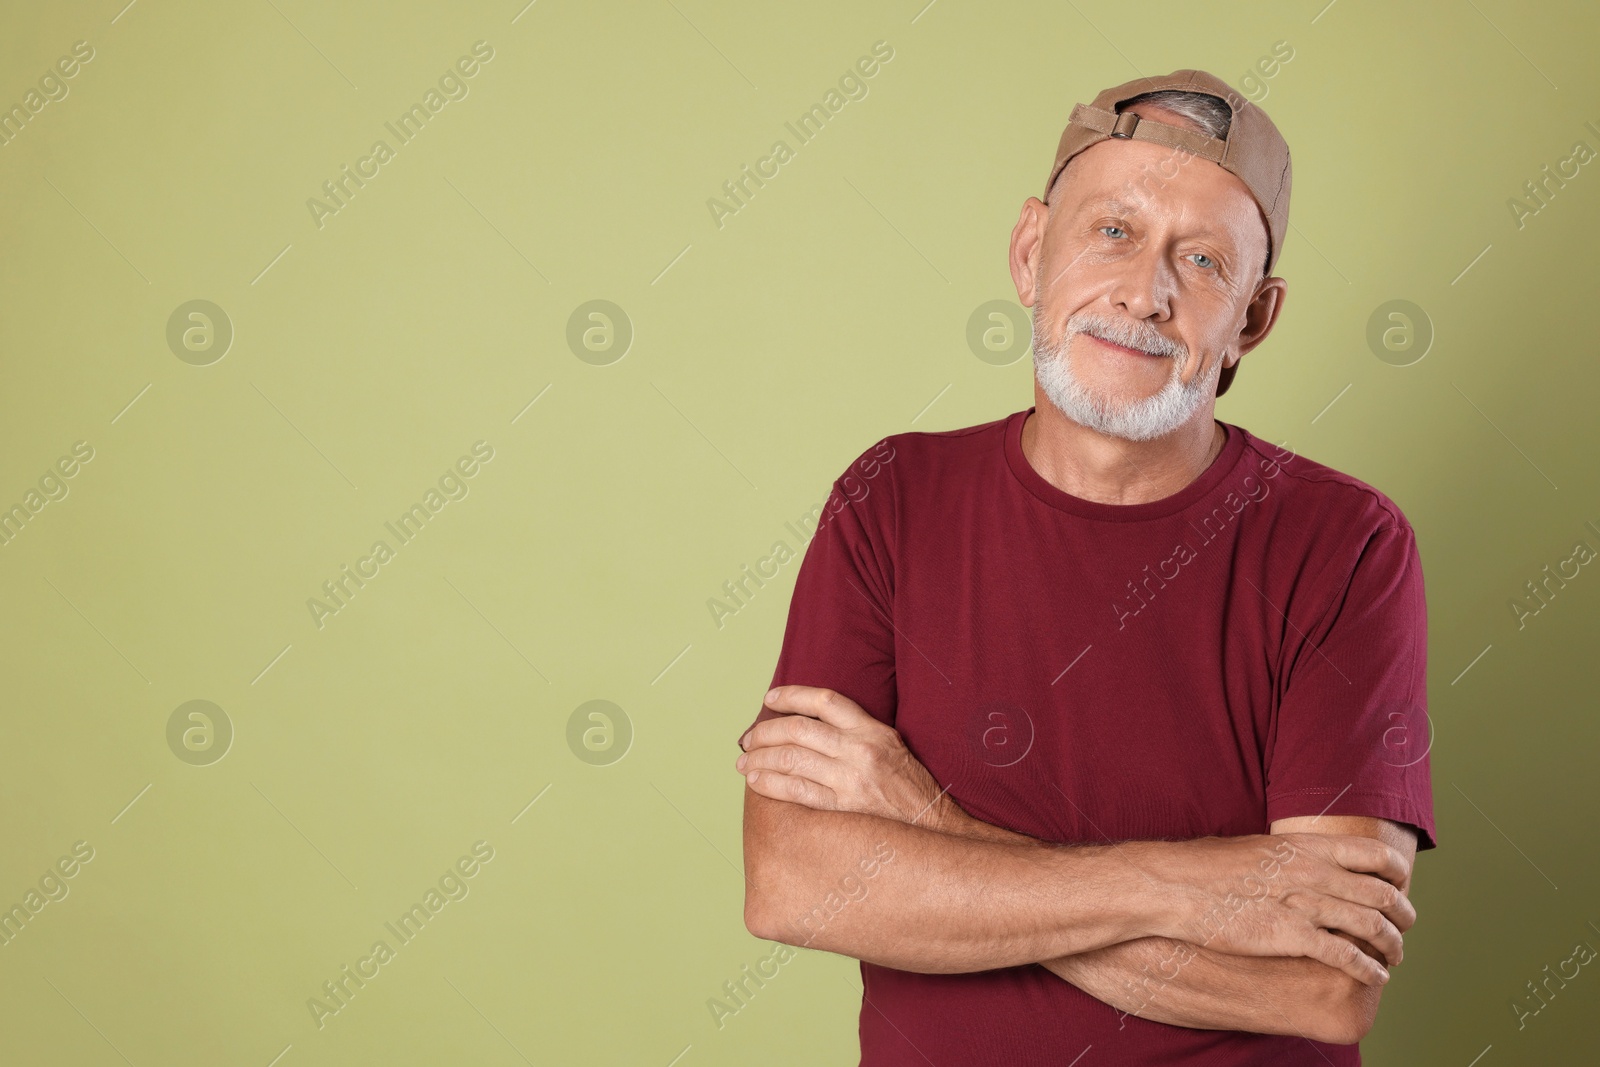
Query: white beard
pixel 1137 420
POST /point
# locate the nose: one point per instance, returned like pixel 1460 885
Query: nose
pixel 1143 286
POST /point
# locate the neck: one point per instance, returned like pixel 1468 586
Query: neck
pixel 1111 470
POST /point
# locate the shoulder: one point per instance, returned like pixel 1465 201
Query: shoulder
pixel 912 470
pixel 1317 494
pixel 917 457
pixel 942 444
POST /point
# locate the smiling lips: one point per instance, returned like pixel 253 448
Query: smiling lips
pixel 1125 350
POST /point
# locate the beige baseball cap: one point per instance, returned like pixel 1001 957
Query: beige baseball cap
pixel 1253 150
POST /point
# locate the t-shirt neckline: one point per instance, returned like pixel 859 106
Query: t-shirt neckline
pixel 1035 483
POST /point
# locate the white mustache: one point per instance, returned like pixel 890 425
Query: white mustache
pixel 1151 342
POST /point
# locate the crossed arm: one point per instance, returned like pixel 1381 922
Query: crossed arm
pixel 1174 981
pixel 1274 933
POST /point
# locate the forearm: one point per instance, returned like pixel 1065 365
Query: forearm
pixel 1183 984
pixel 1175 982
pixel 934 902
pixel 837 784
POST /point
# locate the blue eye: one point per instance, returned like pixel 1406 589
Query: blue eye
pixel 1117 228
pixel 1208 260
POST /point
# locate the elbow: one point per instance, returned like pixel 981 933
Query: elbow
pixel 1338 1029
pixel 771 874
pixel 774 911
pixel 763 927
pixel 763 906
pixel 757 913
pixel 763 917
pixel 1360 1018
pixel 1346 1018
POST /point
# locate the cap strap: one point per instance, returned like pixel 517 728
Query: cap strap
pixel 1130 125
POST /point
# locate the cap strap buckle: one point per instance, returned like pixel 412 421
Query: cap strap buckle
pixel 1128 126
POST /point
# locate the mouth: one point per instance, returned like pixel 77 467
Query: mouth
pixel 1124 349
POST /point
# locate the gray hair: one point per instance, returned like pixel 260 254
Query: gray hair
pixel 1211 113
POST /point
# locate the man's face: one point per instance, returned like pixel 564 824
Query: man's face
pixel 1142 284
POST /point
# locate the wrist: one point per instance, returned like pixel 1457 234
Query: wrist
pixel 1153 900
pixel 947 817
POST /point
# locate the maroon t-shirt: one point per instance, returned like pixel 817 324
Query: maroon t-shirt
pixel 1250 648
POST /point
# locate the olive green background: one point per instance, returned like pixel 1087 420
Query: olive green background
pixel 371 352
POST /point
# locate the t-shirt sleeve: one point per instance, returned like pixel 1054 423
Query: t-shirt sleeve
pixel 840 634
pixel 1352 732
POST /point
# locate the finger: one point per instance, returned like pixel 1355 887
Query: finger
pixel 793 729
pixel 1407 917
pixel 1358 943
pixel 796 761
pixel 1368 855
pixel 1371 926
pixel 831 707
pixel 792 788
pixel 1341 955
pixel 1375 893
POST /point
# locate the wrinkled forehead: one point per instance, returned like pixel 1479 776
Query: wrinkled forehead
pixel 1130 178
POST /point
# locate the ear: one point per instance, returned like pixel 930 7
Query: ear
pixel 1027 248
pixel 1259 317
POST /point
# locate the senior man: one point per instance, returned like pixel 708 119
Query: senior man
pixel 1099 730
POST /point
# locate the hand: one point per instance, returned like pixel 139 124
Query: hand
pixel 1293 895
pixel 829 754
